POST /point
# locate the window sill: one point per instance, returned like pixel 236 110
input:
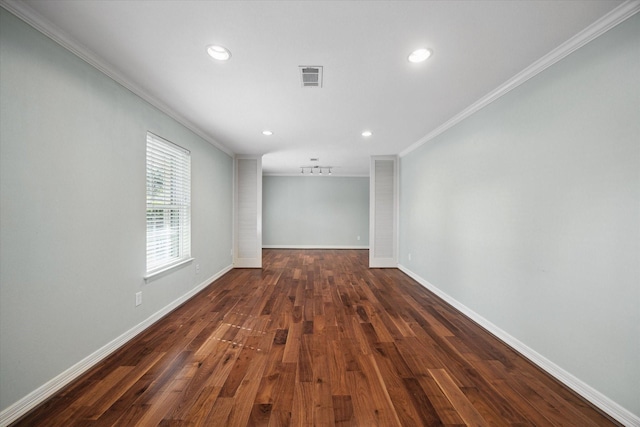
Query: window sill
pixel 159 273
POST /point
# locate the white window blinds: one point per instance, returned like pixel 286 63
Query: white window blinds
pixel 168 204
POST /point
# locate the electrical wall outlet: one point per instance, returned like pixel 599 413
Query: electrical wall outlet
pixel 197 268
pixel 138 298
pixel 409 256
pixel 358 237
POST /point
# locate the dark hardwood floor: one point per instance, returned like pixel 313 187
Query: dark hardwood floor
pixel 315 338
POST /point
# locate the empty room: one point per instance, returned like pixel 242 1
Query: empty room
pixel 319 213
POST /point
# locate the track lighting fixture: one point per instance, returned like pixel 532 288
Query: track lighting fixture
pixel 320 169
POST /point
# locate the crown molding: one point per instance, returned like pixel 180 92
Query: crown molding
pixel 608 21
pixel 593 31
pixel 299 175
pixel 333 247
pixel 37 21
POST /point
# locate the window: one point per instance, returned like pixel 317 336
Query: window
pixel 168 205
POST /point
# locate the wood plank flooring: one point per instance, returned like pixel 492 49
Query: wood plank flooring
pixel 315 338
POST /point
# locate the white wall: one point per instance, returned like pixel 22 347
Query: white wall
pixel 315 211
pixel 72 210
pixel 528 213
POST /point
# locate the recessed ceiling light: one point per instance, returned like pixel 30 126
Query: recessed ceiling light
pixel 367 133
pixel 218 52
pixel 420 55
pixel 267 132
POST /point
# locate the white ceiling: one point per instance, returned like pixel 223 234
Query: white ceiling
pixel 158 49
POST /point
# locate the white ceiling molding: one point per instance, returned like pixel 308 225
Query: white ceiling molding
pixel 324 176
pixel 601 26
pixel 31 17
pixel 404 129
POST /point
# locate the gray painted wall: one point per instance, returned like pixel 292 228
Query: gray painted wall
pixel 528 213
pixel 315 211
pixel 72 210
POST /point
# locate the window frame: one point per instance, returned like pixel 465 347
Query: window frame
pixel 168 205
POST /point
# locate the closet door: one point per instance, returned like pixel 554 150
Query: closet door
pixel 248 212
pixel 383 208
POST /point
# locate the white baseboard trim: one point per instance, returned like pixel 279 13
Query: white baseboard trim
pixel 42 393
pixel 598 399
pixel 312 247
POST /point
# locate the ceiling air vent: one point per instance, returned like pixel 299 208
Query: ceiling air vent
pixel 311 76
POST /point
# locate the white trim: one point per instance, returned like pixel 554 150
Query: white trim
pixel 299 175
pixel 45 391
pixel 155 274
pixel 608 21
pixel 255 260
pixel 313 247
pixel 34 19
pixel 378 262
pixel 592 395
pixel 602 25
